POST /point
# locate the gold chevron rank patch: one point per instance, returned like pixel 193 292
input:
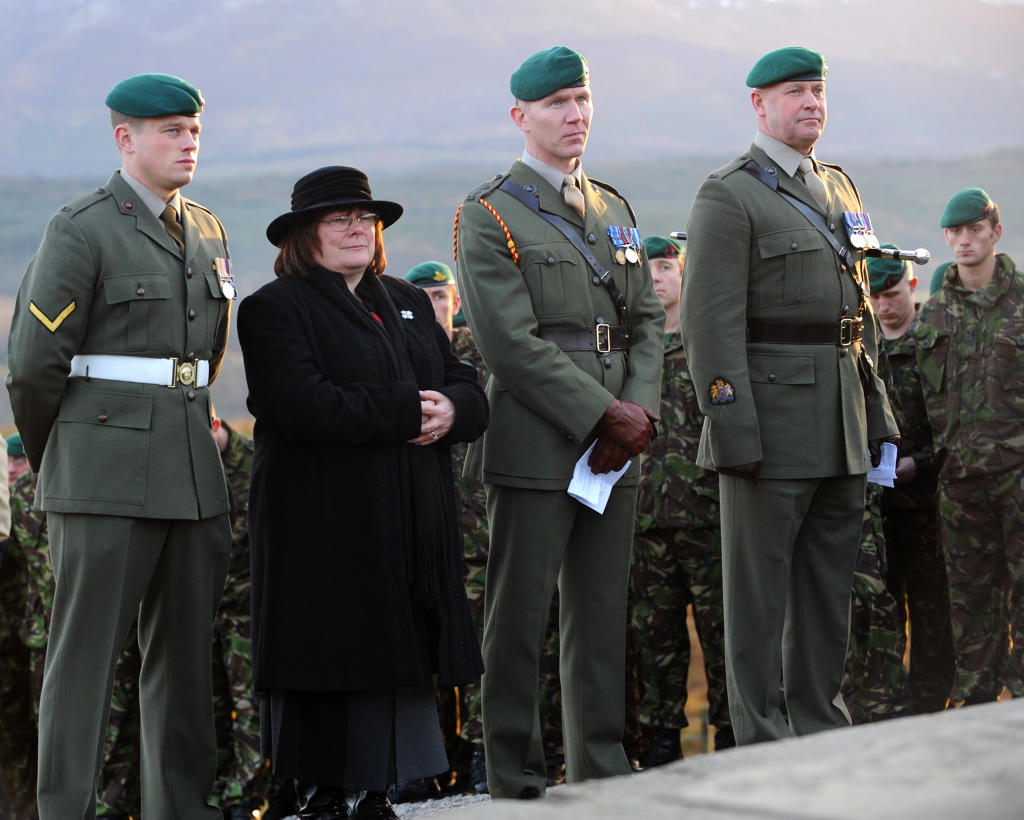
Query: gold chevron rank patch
pixel 51 325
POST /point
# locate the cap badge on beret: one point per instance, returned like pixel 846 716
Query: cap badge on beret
pixel 430 274
pixel 548 71
pixel 663 247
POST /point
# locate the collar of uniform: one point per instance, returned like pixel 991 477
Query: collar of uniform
pixel 149 199
pixel 549 173
pixel 787 158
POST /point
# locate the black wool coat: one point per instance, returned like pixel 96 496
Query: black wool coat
pixel 329 505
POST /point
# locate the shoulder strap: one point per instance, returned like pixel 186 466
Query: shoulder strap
pixel 758 173
pixel 517 191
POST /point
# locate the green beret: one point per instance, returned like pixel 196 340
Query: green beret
pixel 14 445
pixel 155 95
pixel 790 63
pixel 938 278
pixel 429 274
pixel 966 206
pixel 661 246
pixel 547 71
pixel 886 273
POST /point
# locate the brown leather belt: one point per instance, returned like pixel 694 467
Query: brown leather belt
pixel 843 333
pixel 601 338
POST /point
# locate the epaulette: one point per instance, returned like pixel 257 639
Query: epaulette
pixel 486 187
pixel 729 167
pixel 612 190
pixel 84 201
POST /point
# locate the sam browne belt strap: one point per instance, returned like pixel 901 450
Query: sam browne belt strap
pixel 843 333
pixel 602 338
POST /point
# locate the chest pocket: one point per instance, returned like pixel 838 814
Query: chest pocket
pixel 1009 356
pixel 140 311
pixel 934 363
pixel 554 276
pixel 791 270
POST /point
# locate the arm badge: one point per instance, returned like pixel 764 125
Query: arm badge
pixel 722 392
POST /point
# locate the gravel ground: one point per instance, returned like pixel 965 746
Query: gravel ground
pixel 432 808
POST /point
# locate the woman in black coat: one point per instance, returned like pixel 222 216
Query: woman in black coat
pixel 357 590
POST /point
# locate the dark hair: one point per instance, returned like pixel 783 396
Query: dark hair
pixel 993 216
pixel 299 248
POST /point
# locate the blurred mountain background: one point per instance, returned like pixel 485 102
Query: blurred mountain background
pixel 924 98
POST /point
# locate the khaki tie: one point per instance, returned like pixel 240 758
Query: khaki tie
pixel 813 182
pixel 573 195
pixel 174 228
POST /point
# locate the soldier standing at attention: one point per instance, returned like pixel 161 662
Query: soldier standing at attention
pixel 120 324
pixel 558 292
pixel 969 339
pixel 677 549
pixel 781 345
pixel 916 569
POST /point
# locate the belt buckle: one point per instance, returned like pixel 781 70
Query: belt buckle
pixel 182 373
pixel 607 337
pixel 846 331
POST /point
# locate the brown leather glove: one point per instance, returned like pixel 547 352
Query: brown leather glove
pixel 629 424
pixel 607 455
pixel 749 471
pixel 875 448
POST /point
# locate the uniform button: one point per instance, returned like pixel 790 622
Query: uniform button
pixel 191 357
pixel 591 238
pixel 191 395
pixel 66 208
pixel 191 315
pixel 846 310
pixel 771 377
pixel 101 190
pixel 969 331
pixel 599 320
pixel 103 419
pixel 843 351
pixel 607 362
pixel 141 291
pixel 596 279
pixel 1020 341
pixel 188 273
pixel 832 228
pixel 793 246
pixel 551 260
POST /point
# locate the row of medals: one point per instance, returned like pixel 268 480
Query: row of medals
pixel 860 231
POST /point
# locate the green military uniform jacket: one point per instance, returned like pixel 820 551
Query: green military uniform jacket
pixel 109 279
pixel 545 402
pixel 800 409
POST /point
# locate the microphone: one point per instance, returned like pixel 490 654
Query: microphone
pixel 920 256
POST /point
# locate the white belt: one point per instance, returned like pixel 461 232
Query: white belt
pixel 164 372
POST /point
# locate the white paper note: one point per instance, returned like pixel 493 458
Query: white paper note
pixel 590 488
pixel 885 472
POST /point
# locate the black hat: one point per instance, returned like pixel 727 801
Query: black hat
pixel 335 186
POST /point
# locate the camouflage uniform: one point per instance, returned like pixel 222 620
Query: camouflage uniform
pixel 875 683
pixel 916 569
pixel 677 558
pixel 971 372
pixel 26 595
pixel 243 778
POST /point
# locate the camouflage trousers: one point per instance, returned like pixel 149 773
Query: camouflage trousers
pixel 671 569
pixel 21 682
pixel 550 688
pixel 981 522
pixel 243 776
pixel 875 685
pixel 916 578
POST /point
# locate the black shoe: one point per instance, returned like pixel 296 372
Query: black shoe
pixel 371 806
pixel 412 791
pixel 321 802
pixel 478 770
pixel 529 793
pixel 665 748
pixel 724 739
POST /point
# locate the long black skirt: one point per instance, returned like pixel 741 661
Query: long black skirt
pixel 365 739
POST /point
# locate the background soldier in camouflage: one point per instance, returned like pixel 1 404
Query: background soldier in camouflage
pixel 243 777
pixel 26 595
pixel 677 550
pixel 916 574
pixel 875 683
pixel 970 338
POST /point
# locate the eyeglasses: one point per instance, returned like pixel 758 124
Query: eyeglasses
pixel 344 222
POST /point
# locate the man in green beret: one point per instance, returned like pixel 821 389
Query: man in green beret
pixel 120 324
pixel 575 352
pixel 437 281
pixel 970 357
pixel 916 571
pixel 781 344
pixel 677 547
